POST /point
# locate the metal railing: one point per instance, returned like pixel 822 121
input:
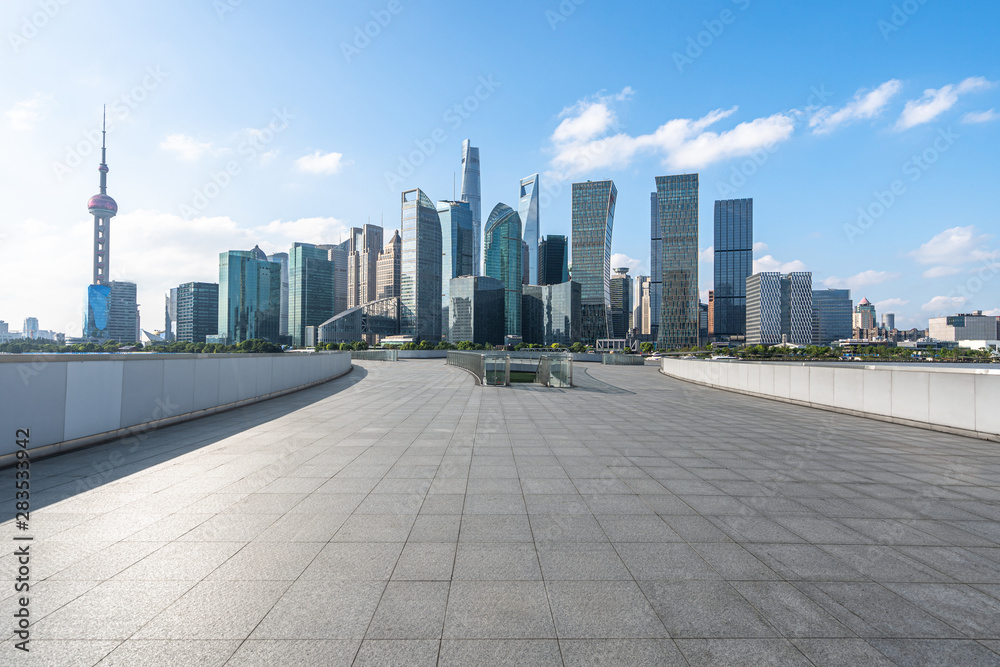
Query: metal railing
pixel 623 360
pixel 553 369
pixel 375 355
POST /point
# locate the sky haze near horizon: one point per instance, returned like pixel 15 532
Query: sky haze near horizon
pixel 865 131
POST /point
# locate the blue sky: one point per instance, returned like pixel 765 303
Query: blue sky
pixel 242 122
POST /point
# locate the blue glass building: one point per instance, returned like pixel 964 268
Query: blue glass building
pixel 249 296
pixel 457 257
pixel 553 260
pixel 527 210
pixel 593 217
pixel 733 265
pixel 502 247
pixel 311 299
pixel 420 305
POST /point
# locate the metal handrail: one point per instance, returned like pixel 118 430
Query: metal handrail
pixel 375 355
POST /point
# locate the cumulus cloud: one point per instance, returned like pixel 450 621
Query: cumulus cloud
pixel 860 280
pixel 25 114
pixel 976 117
pixel 888 304
pixel 707 255
pixel 769 263
pixel 320 163
pixel 944 304
pixel 866 104
pixel 621 260
pixel 941 271
pixel 185 147
pixel 583 141
pixel 954 247
pixel 759 246
pixel 936 101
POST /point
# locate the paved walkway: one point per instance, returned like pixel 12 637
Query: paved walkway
pixel 403 515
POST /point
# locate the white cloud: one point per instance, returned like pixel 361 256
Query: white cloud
pixel 24 115
pixel 944 304
pixel 992 313
pixel 860 280
pixel 975 117
pixel 866 104
pixel 936 102
pixel 769 263
pixel 954 247
pixel 185 147
pixel 581 142
pixel 941 271
pixel 621 260
pixel 889 304
pixel 320 163
pixel 707 255
pixel 759 246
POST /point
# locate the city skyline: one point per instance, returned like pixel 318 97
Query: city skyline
pixel 837 136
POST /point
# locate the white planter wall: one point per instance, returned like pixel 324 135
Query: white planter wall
pixel 73 400
pixel 963 400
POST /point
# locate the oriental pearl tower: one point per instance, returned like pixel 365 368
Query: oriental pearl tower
pixel 103 208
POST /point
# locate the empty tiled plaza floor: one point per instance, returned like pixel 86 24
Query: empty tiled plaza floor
pixel 402 515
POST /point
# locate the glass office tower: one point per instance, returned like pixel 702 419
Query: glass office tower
pixel 420 305
pixel 457 239
pixel 621 302
pixel 502 247
pixel 779 308
pixel 471 194
pixel 310 289
pixel 677 200
pixel 733 264
pixel 550 314
pixel 282 258
pixel 593 217
pixel 833 312
pixel 197 311
pixel 553 260
pixel 655 266
pixel 476 310
pixel 527 210
pixel 249 296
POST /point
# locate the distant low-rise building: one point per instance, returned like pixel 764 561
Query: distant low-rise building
pixel 965 326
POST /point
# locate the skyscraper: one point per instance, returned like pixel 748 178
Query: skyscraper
pixel 249 296
pixel 338 253
pixel 621 302
pixel 389 268
pixel 282 258
pixel 527 210
pixel 197 311
pixel 779 308
pixel 365 245
pixel 553 260
pixel 593 217
pixel 655 265
pixel 832 312
pixel 170 316
pixel 888 321
pixel 457 237
pixel 310 289
pixel 504 252
pixel 641 306
pixel 550 314
pixel 677 200
pixel 471 194
pixel 864 315
pixel 476 310
pixel 733 264
pixel 420 308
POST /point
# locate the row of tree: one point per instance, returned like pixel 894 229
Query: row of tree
pixel 254 346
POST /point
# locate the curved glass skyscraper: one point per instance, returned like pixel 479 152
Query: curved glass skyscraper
pixel 471 194
pixel 420 305
pixel 502 246
pixel 527 209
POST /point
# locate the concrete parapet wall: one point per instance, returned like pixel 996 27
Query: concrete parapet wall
pixel 954 400
pixel 73 400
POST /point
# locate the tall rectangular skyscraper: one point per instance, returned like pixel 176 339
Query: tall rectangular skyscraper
pixel 504 254
pixel 527 209
pixel 592 223
pixel 282 258
pixel 621 302
pixel 311 297
pixel 655 266
pixel 471 194
pixel 456 249
pixel 197 311
pixel 420 306
pixel 553 260
pixel 677 201
pixel 365 244
pixel 733 264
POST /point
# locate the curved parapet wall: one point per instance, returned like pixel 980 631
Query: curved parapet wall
pixel 950 399
pixel 74 400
